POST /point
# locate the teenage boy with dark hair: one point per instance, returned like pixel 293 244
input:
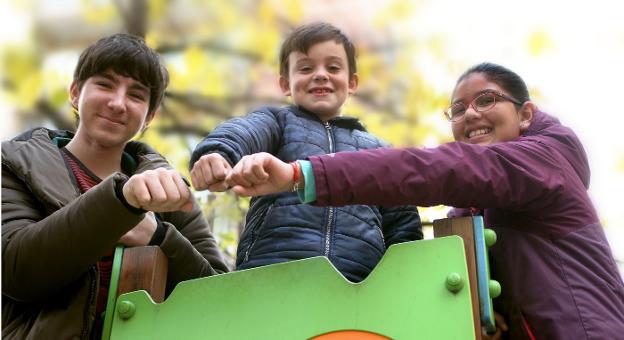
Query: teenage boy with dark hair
pixel 318 70
pixel 67 199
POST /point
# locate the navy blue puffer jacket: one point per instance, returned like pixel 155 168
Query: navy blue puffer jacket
pixel 279 227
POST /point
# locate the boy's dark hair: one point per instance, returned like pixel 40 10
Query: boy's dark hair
pixel 126 55
pixel 303 37
pixel 504 77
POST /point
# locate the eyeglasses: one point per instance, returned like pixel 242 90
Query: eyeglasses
pixel 481 103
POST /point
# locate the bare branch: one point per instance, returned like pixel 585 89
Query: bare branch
pixel 210 46
pixel 369 99
pixel 134 14
pixel 179 129
pixel 57 117
pixel 220 106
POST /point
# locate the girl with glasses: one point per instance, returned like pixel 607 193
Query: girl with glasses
pixel 519 167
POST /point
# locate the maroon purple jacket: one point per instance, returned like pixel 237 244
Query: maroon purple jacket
pixel 552 259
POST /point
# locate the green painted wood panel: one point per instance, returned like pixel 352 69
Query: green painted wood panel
pixel 405 297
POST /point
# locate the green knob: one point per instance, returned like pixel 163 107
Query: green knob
pixel 454 282
pixel 495 288
pixel 126 309
pixel 490 237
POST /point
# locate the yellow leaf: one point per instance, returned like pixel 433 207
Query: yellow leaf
pixel 620 164
pixel 539 43
pixel 98 12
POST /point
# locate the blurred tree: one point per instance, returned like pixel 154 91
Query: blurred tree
pixel 223 61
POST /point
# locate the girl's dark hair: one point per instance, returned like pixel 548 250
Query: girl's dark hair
pixel 126 55
pixel 304 37
pixel 504 77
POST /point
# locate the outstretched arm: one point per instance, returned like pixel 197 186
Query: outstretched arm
pixel 520 175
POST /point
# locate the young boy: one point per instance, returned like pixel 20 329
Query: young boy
pixel 67 200
pixel 318 70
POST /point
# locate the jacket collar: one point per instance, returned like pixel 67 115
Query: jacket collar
pixel 128 162
pixel 343 121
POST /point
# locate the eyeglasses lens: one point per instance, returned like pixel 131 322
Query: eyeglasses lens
pixel 484 102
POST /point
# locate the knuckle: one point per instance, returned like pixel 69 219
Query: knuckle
pixel 184 195
pixel 174 197
pixel 159 199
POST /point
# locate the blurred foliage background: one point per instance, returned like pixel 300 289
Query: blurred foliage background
pixel 223 61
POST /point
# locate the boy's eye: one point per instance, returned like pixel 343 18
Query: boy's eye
pixel 138 96
pixel 305 69
pixel 104 84
pixel 334 68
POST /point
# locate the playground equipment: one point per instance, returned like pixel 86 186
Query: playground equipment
pixel 429 289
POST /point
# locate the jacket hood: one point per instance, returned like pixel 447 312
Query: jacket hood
pixel 571 148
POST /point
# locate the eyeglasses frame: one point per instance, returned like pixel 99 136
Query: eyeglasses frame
pixel 495 93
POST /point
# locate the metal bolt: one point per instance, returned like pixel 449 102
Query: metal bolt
pixel 126 309
pixel 495 288
pixel 454 282
pixel 490 237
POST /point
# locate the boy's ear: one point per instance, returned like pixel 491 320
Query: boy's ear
pixel 526 115
pixel 353 83
pixel 148 119
pixel 285 86
pixel 74 94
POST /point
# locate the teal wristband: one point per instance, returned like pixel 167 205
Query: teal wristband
pixel 307 194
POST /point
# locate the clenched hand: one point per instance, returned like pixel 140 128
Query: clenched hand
pixel 209 172
pixel 158 190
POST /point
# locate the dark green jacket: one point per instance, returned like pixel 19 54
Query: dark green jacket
pixel 52 236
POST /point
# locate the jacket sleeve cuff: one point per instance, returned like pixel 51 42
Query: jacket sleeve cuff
pixel 119 193
pixel 159 233
pixel 307 194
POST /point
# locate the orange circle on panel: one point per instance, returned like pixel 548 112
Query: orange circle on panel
pixel 350 335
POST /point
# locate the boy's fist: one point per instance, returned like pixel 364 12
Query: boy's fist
pixel 158 190
pixel 209 172
pixel 260 174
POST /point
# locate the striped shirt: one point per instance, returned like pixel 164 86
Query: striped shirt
pixel 86 180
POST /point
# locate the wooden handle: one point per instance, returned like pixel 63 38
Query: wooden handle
pixel 144 268
pixel 462 227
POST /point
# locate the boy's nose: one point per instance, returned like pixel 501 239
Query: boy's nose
pixel 117 102
pixel 320 75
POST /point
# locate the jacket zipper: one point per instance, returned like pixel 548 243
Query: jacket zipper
pixel 330 216
pixel 383 238
pixel 330 212
pixel 329 136
pixel 92 289
pixel 266 213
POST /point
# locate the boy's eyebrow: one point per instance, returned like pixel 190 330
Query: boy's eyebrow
pixel 135 84
pixel 303 60
pixel 105 75
pixel 328 58
pixel 334 57
pixel 139 86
